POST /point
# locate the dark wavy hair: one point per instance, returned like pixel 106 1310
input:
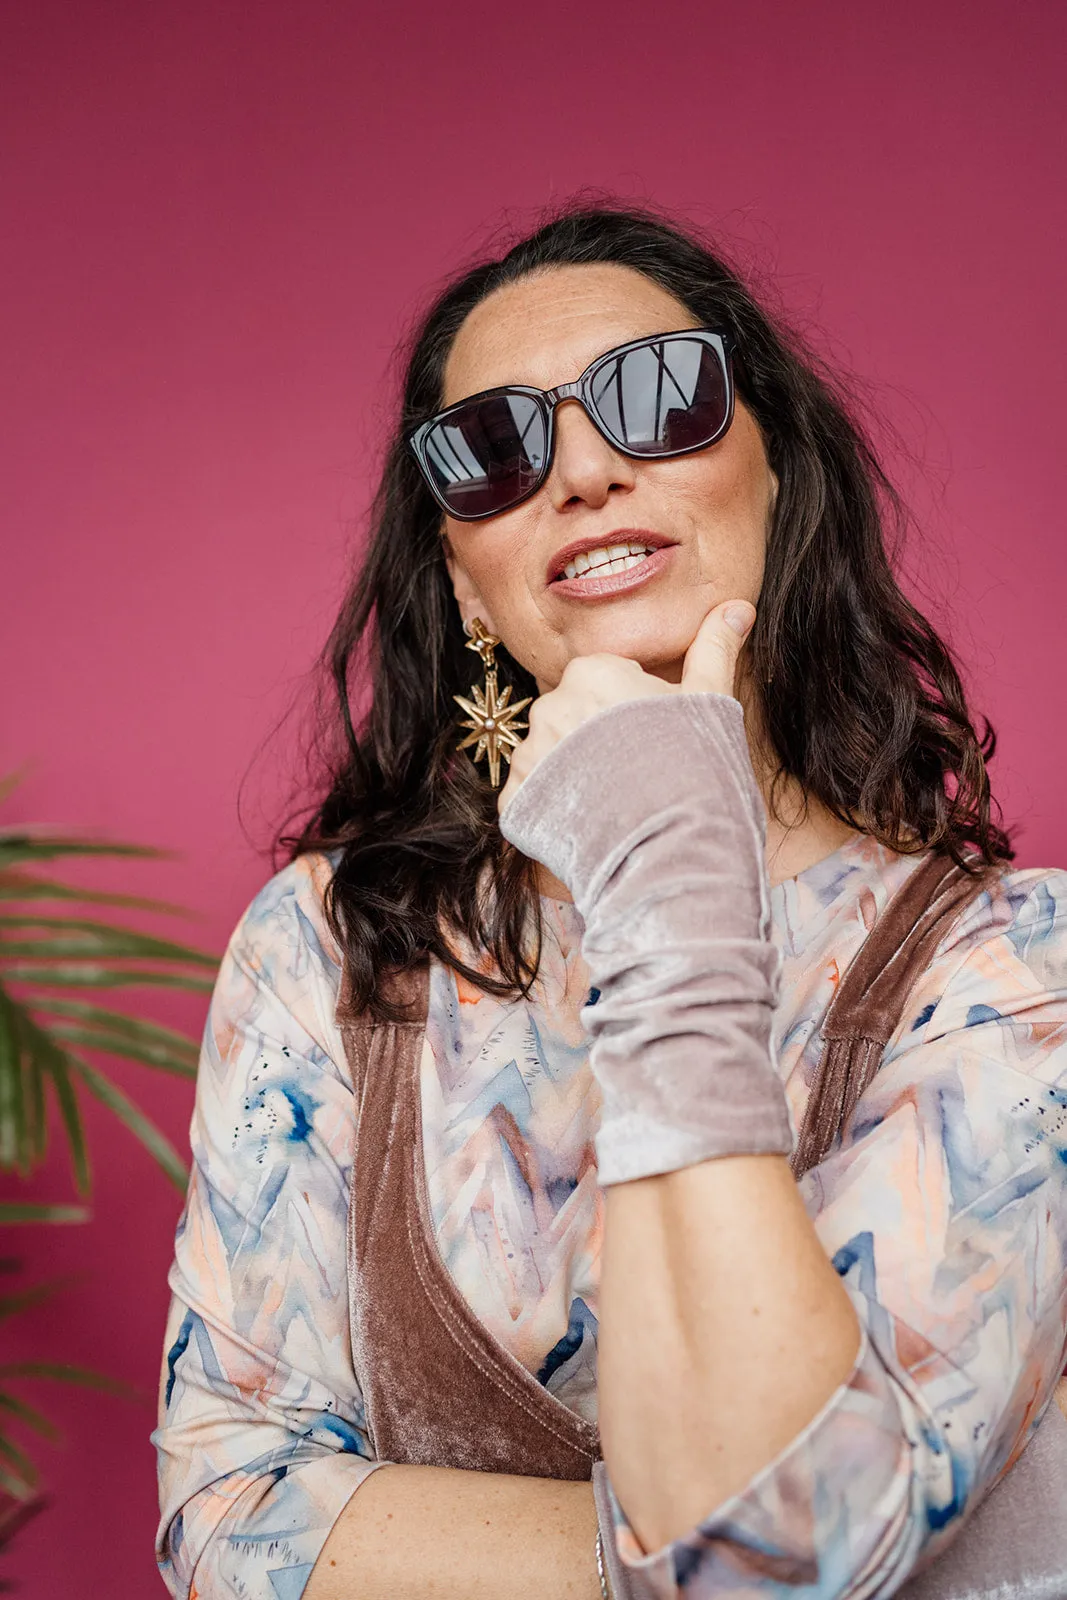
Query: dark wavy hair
pixel 859 697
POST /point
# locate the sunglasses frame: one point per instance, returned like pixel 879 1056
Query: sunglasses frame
pixel 581 390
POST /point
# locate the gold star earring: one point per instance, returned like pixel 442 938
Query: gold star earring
pixel 491 715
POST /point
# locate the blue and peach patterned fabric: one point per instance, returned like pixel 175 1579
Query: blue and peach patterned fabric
pixel 944 1211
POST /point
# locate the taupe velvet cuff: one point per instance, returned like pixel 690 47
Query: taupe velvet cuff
pixel 650 814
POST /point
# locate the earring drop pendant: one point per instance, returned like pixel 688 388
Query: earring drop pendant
pixel 490 713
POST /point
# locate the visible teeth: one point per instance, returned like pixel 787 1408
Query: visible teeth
pixel 606 559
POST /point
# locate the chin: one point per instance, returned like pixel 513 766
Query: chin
pixel 655 648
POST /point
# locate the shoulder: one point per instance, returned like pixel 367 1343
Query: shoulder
pixel 274 1094
pixel 1003 959
pixel 1019 919
pixel 285 925
pixel 282 957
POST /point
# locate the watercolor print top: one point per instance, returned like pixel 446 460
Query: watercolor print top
pixel 945 1213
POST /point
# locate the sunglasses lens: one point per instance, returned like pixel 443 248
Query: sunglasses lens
pixel 666 396
pixel 487 455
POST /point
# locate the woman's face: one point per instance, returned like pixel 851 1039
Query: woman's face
pixel 713 506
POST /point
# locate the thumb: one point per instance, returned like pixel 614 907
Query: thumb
pixel 711 660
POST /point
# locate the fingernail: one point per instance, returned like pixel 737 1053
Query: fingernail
pixel 739 616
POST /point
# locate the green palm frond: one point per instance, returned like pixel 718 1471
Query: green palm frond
pixel 50 962
pixel 20 1299
pixel 29 1415
pixel 14 1515
pixel 65 1372
pixel 98 1029
pixel 25 844
pixel 91 975
pixel 155 1142
pixel 19 1478
pixel 75 937
pixel 23 887
pixel 13 1212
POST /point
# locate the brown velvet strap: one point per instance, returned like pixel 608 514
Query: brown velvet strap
pixel 408 992
pixel 438 1388
pixel 871 996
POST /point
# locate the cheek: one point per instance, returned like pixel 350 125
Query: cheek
pixel 495 555
pixel 729 498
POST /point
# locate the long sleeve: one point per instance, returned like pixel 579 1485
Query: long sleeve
pixel 650 813
pixel 944 1211
pixel 261 1437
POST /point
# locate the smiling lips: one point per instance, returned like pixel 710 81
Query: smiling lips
pixel 587 571
pixel 607 558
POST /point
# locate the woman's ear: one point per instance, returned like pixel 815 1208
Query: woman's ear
pixel 468 597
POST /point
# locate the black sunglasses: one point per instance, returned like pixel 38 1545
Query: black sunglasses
pixel 665 395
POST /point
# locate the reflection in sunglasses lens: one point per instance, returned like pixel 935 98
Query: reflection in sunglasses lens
pixel 487 454
pixel 666 396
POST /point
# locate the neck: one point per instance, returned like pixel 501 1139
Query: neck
pixel 794 845
pixel 800 829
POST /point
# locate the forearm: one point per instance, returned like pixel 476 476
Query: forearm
pixel 724 1327
pixel 724 1331
pixel 410 1532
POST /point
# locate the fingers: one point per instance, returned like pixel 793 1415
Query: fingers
pixel 541 734
pixel 519 767
pixel 711 660
pixel 589 684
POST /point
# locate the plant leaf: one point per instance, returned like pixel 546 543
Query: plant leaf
pixel 12 1104
pixel 19 1460
pixel 13 1212
pixel 119 1044
pixel 22 1298
pixel 88 937
pixel 38 1113
pixel 29 1415
pixel 9 784
pixel 63 1372
pixel 20 886
pixel 26 844
pixel 116 1021
pixel 153 1139
pixel 13 1518
pixel 156 1044
pixel 23 1124
pixel 95 975
pixel 52 1059
pixel 72 1123
pixel 15 1486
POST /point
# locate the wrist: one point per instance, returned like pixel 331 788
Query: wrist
pixel 651 814
pixel 627 773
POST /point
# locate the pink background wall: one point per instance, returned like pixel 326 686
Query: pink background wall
pixel 218 220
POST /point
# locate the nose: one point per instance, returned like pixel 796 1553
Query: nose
pixel 585 468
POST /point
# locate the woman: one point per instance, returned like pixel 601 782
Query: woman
pixel 587 1006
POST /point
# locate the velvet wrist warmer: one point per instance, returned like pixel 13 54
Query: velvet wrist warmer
pixel 650 814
